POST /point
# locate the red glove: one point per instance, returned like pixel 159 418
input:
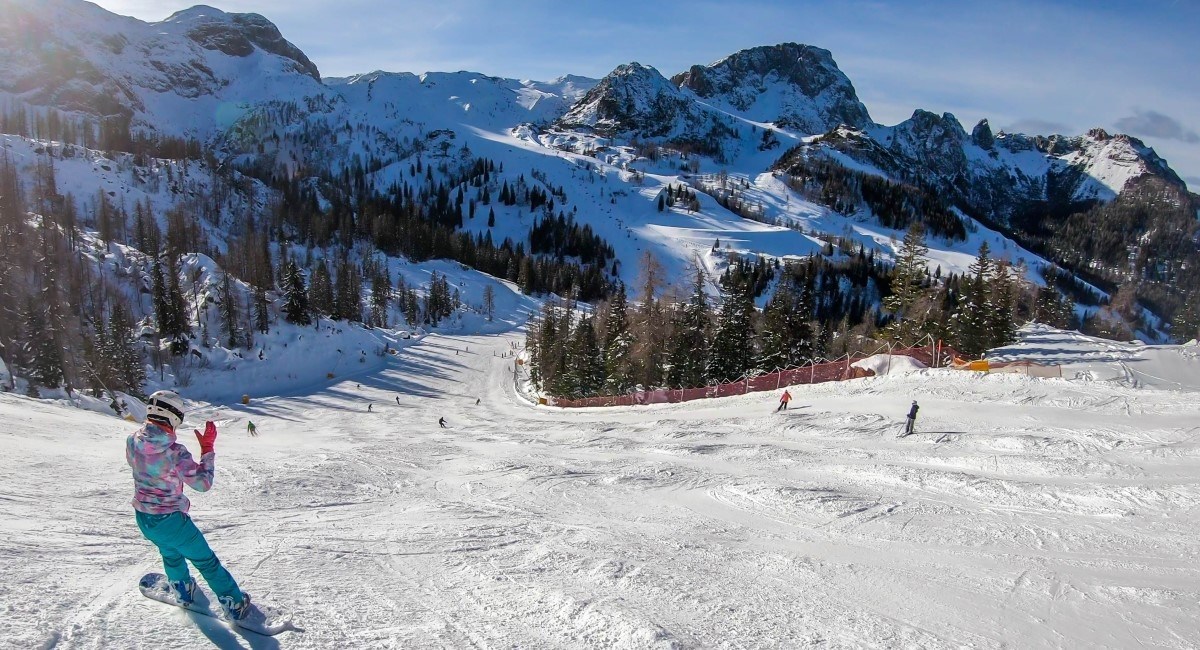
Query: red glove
pixel 207 439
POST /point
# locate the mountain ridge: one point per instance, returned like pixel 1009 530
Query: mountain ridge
pixel 257 104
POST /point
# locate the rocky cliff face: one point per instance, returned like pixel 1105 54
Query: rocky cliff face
pixel 998 176
pixel 238 35
pixel 633 99
pixel 636 101
pixel 171 77
pixel 798 87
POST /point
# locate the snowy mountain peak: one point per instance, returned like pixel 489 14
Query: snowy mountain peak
pixel 632 98
pixel 238 35
pixel 796 86
pixel 190 73
pixel 982 136
pixel 197 12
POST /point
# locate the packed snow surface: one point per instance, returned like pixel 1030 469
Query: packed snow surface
pixel 1025 513
pixel 883 364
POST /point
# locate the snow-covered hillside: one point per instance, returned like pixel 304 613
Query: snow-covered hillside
pixel 197 71
pixel 234 82
pixel 1032 513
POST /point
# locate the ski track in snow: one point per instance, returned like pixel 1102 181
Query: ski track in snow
pixel 1052 514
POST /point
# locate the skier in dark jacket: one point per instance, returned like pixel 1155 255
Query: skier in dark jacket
pixel 912 418
pixel 442 422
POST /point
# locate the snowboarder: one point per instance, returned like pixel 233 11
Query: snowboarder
pixel 783 401
pixel 250 428
pixel 161 466
pixel 912 418
pixel 397 400
pixel 442 422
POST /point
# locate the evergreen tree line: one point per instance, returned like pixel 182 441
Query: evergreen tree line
pixel 59 325
pixel 111 134
pixel 820 308
pixel 896 205
pixel 1146 241
pixel 83 334
pixel 413 222
pixel 561 237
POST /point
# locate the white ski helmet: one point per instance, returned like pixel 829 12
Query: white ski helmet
pixel 165 405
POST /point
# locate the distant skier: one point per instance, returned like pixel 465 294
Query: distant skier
pixel 477 401
pixel 161 466
pixel 397 400
pixel 442 422
pixel 783 401
pixel 369 407
pixel 251 429
pixel 912 419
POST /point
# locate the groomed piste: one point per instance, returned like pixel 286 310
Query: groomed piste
pixel 1024 512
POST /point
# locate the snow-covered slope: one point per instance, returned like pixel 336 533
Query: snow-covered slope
pixel 458 98
pixel 1032 513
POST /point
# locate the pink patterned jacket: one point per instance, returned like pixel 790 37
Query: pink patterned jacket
pixel 160 468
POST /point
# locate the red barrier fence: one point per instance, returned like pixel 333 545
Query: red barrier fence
pixel 931 356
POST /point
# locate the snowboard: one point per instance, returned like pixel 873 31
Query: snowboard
pixel 262 619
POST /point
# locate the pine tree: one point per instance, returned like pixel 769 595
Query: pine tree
pixel 175 299
pixel 970 323
pixel 228 311
pixel 734 343
pixel 42 347
pixel 295 295
pixel 650 326
pixel 689 344
pixel 347 292
pixel 320 292
pixel 489 302
pixel 1002 327
pixel 1052 308
pixel 617 345
pixel 381 298
pixel 129 371
pixel 787 336
pixel 169 306
pixel 908 290
pixel 585 362
pixel 1185 325
pixel 262 311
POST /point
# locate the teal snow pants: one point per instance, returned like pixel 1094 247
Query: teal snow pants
pixel 177 538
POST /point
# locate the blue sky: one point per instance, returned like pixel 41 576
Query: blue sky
pixel 1036 67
